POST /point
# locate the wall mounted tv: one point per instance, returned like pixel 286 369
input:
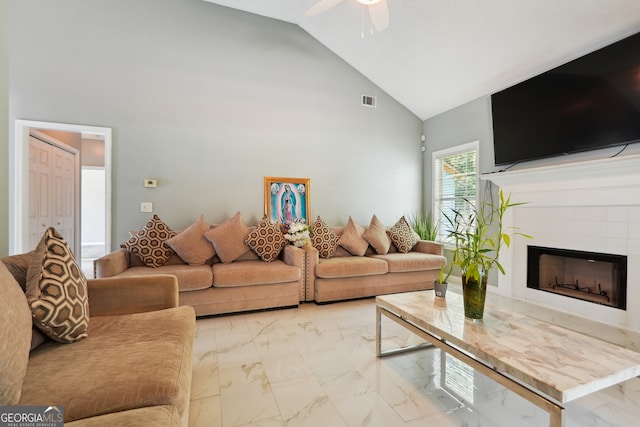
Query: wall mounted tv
pixel 591 102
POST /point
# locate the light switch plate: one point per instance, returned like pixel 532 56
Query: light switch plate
pixel 150 183
pixel 146 207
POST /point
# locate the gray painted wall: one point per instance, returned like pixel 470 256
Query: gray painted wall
pixel 4 129
pixel 467 123
pixel 208 101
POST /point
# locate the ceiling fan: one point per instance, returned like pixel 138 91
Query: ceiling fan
pixel 378 11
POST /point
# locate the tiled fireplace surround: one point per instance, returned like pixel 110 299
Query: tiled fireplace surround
pixel 589 206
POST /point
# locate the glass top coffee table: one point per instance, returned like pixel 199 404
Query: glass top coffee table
pixel 546 364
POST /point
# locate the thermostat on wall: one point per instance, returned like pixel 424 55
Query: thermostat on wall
pixel 151 183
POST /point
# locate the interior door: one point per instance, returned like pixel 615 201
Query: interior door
pixel 62 202
pixel 52 180
pixel 39 167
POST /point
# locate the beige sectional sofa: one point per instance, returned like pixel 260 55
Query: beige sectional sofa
pixel 218 272
pixel 345 276
pixel 354 262
pixel 247 282
pixel 132 366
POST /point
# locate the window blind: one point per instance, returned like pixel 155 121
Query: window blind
pixel 455 187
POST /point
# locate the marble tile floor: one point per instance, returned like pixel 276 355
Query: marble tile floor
pixel 316 366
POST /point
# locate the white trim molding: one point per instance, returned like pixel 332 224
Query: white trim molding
pixel 19 178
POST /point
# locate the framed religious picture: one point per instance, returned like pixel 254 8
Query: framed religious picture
pixel 287 200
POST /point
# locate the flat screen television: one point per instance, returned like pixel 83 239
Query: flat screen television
pixel 589 103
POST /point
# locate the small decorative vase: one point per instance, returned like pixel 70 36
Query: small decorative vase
pixel 440 289
pixel 473 296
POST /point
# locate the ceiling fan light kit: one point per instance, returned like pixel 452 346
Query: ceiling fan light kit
pixel 378 11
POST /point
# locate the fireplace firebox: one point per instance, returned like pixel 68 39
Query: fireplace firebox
pixel 590 276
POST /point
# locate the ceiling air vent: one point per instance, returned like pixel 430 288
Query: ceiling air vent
pixel 369 101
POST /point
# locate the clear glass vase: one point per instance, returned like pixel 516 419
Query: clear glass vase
pixel 473 296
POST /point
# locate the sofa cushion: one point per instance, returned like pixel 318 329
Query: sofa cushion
pixel 127 362
pixel 245 273
pixel 323 238
pixel 191 245
pixel 350 266
pixel 402 236
pixel 266 240
pixel 228 238
pixel 377 236
pixel 412 261
pixel 57 290
pixel 190 277
pixel 15 337
pixel 352 239
pixel 149 243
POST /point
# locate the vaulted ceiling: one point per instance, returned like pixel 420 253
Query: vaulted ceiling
pixel 438 54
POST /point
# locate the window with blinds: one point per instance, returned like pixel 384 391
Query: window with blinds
pixel 455 183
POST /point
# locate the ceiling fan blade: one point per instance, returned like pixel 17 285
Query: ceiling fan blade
pixel 321 7
pixel 379 14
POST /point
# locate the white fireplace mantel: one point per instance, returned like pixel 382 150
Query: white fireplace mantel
pixel 610 181
pixel 591 205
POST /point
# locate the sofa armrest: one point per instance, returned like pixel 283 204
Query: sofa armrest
pixel 132 294
pixel 111 264
pixel 295 256
pixel 429 247
pixel 292 255
pixel 311 260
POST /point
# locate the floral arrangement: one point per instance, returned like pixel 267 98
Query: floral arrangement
pixel 299 234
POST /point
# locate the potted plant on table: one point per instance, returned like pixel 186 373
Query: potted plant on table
pixel 441 284
pixel 477 248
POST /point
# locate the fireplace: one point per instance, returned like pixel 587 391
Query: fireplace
pixel 590 205
pixel 589 276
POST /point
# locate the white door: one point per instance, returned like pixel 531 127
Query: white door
pixel 52 181
pixel 63 186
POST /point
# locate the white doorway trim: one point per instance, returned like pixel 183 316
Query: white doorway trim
pixel 19 179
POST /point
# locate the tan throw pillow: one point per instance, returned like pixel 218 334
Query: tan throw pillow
pixel 191 245
pixel 352 239
pixel 266 240
pixel 377 236
pixel 57 290
pixel 18 266
pixel 403 236
pixel 149 243
pixel 228 238
pixel 323 238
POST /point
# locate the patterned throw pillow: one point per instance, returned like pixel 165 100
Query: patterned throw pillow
pixel 57 290
pixel 228 238
pixel 149 243
pixel 377 236
pixel 403 236
pixel 191 245
pixel 324 239
pixel 352 239
pixel 266 240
